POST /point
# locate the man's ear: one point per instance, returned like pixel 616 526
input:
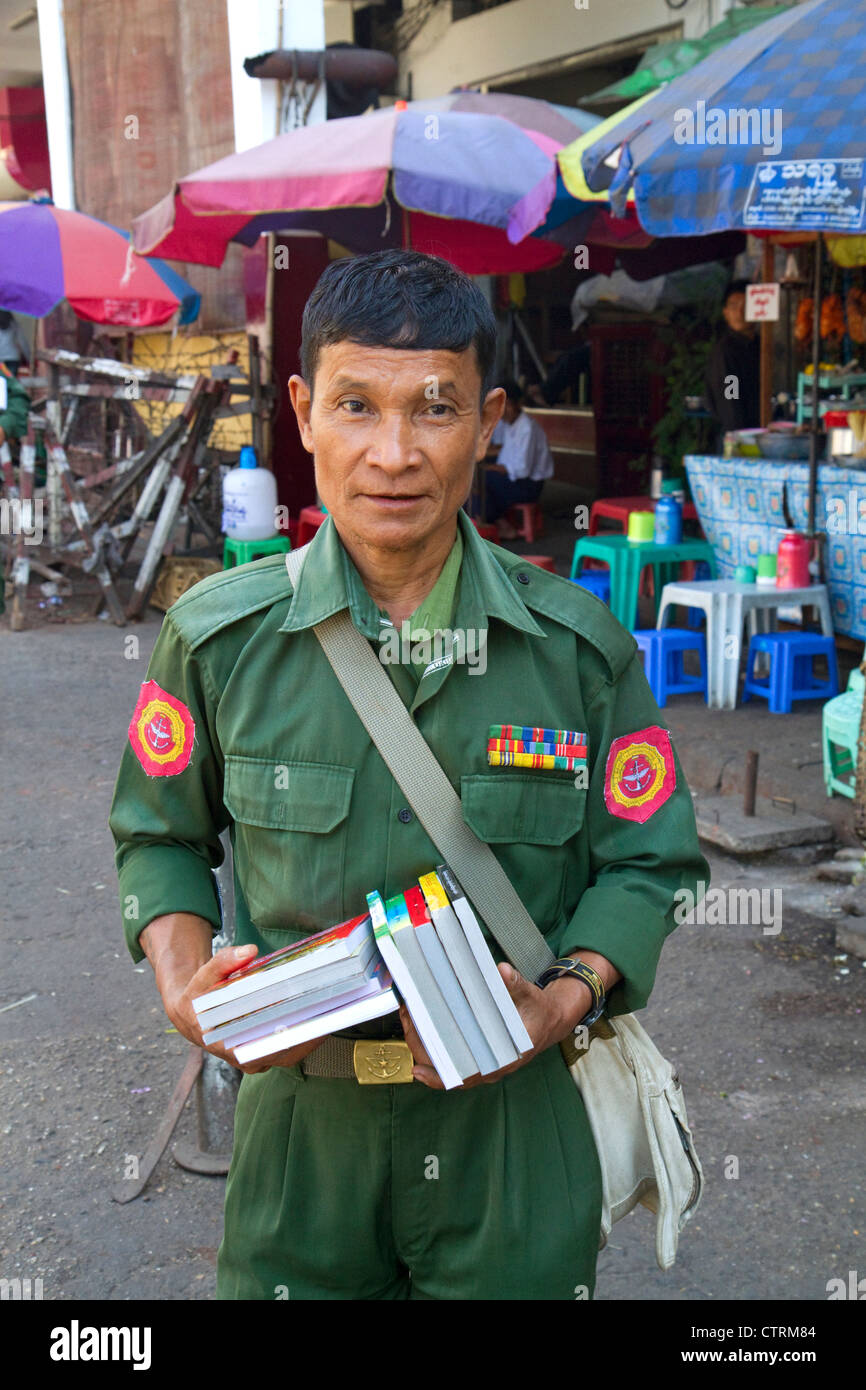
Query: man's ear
pixel 491 414
pixel 299 393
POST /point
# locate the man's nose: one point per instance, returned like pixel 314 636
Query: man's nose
pixel 393 444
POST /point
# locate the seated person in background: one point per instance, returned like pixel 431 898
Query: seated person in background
pixel 524 462
pixel 733 376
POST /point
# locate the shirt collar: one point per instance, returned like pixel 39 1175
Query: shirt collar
pixel 486 589
pixel 330 582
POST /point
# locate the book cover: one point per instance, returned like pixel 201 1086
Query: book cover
pixel 447 980
pixel 311 1001
pixel 416 1005
pixel 481 951
pixel 468 971
pixel 270 991
pixel 404 937
pixel 384 1001
pixel 332 945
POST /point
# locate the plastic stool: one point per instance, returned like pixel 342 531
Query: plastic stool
pixel 840 731
pixel 241 552
pixel 544 562
pixel 309 521
pixel 696 616
pixel 663 649
pixel 528 520
pixel 597 581
pixel 791 676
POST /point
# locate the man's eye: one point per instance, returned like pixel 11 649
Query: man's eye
pixel 440 407
pixel 353 400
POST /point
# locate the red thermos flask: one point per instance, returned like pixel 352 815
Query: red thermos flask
pixel 792 562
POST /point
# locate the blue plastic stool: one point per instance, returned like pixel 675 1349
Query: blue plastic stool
pixel 597 581
pixel 663 649
pixel 791 675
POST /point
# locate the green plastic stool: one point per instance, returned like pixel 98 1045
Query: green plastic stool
pixel 840 729
pixel 241 552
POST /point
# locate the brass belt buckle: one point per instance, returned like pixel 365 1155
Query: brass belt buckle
pixel 386 1063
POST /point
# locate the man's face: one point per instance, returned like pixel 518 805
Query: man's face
pixel 395 434
pixel 735 313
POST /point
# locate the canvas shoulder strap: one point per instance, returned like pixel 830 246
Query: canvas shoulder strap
pixel 426 787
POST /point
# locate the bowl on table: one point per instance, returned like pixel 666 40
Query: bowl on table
pixel 782 445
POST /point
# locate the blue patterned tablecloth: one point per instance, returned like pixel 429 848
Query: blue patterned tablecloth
pixel 740 506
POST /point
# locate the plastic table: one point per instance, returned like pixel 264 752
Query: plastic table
pixel 627 559
pixel 727 606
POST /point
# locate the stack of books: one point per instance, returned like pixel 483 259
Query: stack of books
pixel 327 982
pixel 424 946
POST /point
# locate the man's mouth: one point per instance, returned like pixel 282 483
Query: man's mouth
pixel 394 499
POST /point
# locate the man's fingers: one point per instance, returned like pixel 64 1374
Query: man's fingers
pixel 416 1047
pixel 517 986
pixel 222 964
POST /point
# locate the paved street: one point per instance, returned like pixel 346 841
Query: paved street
pixel 767 1030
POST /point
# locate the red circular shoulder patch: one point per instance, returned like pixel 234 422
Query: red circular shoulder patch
pixel 162 732
pixel 640 774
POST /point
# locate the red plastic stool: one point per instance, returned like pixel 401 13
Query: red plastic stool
pixel 309 521
pixel 485 531
pixel 528 520
pixel 544 562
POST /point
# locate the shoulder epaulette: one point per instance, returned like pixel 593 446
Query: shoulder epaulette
pixel 574 607
pixel 226 598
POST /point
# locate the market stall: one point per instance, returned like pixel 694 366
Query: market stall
pixel 742 505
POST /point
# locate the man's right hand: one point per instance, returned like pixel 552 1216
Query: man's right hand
pixel 175 945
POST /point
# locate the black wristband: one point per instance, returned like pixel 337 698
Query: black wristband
pixel 578 970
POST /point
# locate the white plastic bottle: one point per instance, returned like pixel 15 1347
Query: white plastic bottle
pixel 249 500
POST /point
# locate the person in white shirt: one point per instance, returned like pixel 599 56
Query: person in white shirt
pixel 523 463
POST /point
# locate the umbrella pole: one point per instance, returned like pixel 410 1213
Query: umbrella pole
pixel 816 359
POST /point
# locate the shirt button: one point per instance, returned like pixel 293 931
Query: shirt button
pixel 523 578
pixel 404 815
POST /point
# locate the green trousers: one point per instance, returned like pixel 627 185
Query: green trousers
pixel 342 1191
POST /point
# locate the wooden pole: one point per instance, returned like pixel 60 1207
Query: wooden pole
pixel 767 275
pixel 256 395
pixel 815 431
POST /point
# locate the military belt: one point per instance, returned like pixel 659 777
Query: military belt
pixel 369 1061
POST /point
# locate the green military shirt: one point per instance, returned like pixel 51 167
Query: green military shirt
pixel 242 723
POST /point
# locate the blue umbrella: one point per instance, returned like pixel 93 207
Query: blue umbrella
pixel 767 133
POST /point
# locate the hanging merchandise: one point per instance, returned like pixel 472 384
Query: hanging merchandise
pixel 855 312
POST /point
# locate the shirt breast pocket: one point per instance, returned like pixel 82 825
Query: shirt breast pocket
pixel 531 820
pixel 291 829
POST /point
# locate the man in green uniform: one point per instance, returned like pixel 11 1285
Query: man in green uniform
pixel 337 1189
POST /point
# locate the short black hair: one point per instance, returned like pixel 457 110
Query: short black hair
pixel 398 299
pixel 735 287
pixel 512 389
